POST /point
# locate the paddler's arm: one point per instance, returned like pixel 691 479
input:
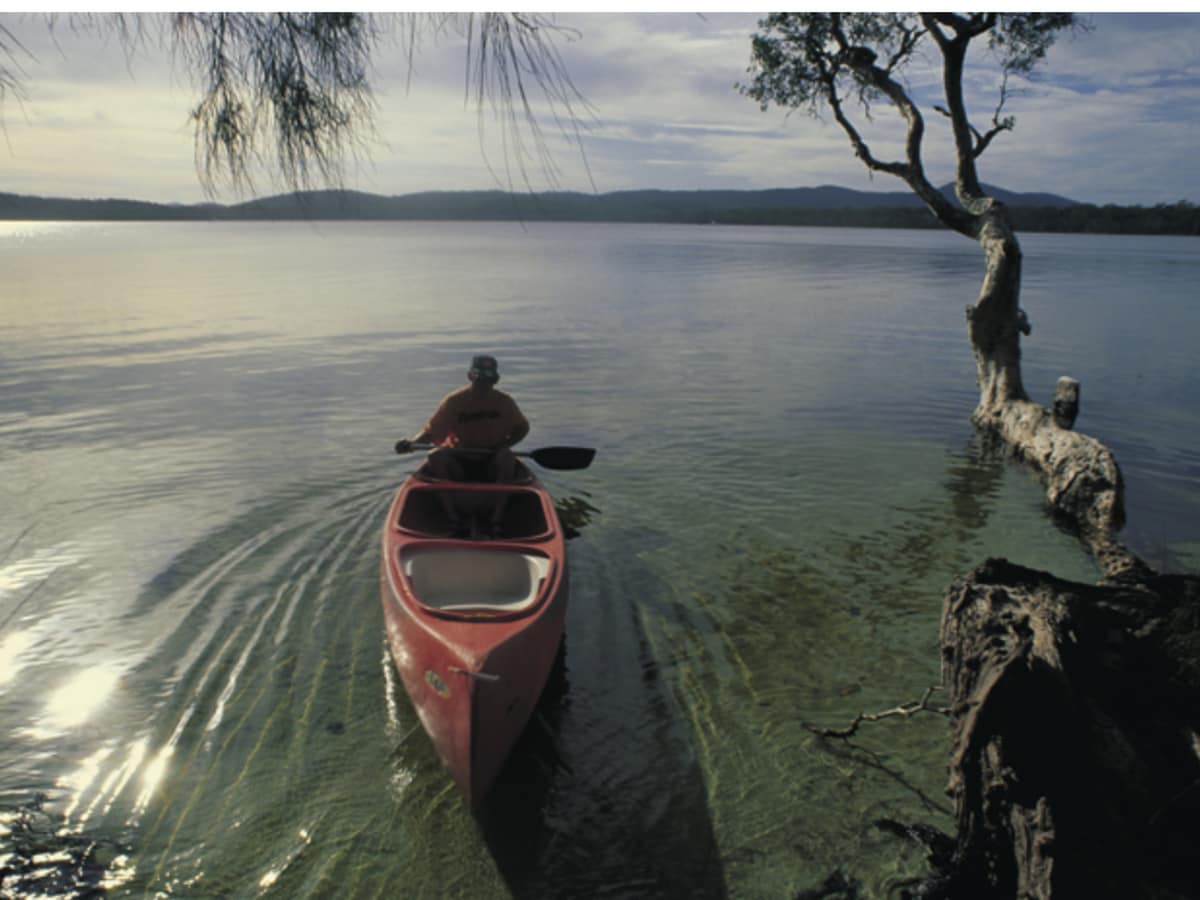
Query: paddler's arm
pixel 434 432
pixel 516 435
pixel 520 428
pixel 405 445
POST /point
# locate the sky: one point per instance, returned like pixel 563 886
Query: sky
pixel 1114 117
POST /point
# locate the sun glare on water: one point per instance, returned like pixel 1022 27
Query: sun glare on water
pixel 76 701
pixel 11 649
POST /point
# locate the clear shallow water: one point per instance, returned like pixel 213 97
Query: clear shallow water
pixel 195 458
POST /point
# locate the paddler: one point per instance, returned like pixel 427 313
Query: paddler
pixel 475 428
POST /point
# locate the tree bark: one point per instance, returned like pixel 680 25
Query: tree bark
pixel 1083 482
pixel 994 322
pixel 1075 768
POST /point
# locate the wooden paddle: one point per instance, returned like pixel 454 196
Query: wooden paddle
pixel 562 458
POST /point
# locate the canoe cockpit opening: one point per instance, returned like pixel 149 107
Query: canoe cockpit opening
pixel 427 511
pixel 463 579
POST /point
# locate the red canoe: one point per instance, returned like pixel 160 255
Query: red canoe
pixel 474 625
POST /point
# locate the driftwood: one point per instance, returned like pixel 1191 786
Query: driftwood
pixel 1075 765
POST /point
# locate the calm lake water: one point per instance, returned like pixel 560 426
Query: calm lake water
pixel 196 423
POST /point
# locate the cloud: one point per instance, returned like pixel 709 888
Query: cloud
pixel 1112 119
pixel 1117 48
pixel 1108 121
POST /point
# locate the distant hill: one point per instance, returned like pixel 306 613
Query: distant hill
pixel 825 205
pixel 17 207
pixel 620 206
pixel 623 205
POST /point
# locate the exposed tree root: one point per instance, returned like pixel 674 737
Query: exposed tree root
pixel 1075 715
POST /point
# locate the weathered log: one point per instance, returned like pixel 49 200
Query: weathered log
pixel 1075 769
pixel 1083 482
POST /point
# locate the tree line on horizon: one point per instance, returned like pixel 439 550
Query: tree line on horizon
pixel 1181 218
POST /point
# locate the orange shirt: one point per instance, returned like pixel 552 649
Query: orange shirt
pixel 475 418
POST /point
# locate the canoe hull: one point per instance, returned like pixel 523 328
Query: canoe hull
pixel 474 627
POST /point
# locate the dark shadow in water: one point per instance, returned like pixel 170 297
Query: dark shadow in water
pixel 973 481
pixel 869 759
pixel 513 816
pixel 604 793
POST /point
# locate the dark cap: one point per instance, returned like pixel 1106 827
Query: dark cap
pixel 485 367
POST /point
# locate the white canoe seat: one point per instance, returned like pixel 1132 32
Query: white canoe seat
pixel 463 578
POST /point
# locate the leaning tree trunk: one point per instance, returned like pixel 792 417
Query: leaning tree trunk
pixel 1082 479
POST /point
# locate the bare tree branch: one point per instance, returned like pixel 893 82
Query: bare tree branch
pixel 861 60
pixel 954 51
pixel 982 140
pixel 908 43
pixel 907 710
pixel 998 124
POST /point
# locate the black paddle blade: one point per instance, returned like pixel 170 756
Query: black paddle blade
pixel 563 457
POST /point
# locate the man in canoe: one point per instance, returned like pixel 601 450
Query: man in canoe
pixel 475 428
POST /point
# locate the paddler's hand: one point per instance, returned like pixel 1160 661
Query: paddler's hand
pixel 404 445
